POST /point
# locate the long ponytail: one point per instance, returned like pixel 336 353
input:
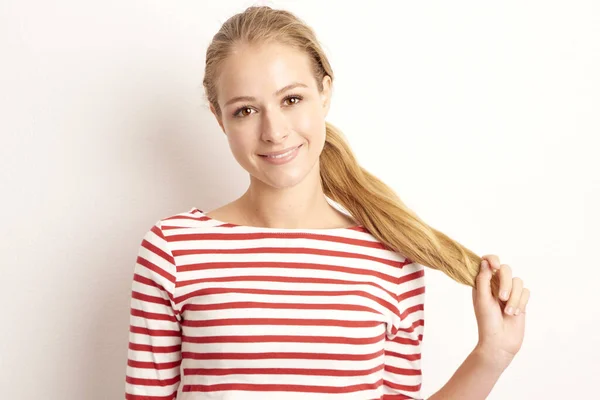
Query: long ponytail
pixel 379 209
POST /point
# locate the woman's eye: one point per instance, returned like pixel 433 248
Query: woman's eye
pixel 297 98
pixel 241 112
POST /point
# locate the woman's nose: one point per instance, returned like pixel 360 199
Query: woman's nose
pixel 274 126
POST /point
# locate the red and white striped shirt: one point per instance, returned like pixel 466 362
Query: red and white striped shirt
pixel 224 311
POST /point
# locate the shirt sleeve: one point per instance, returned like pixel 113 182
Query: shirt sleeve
pixel 154 354
pixel 402 360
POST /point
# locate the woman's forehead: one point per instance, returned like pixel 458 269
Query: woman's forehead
pixel 265 68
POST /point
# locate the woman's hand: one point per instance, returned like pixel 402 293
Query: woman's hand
pixel 501 326
pixel 501 331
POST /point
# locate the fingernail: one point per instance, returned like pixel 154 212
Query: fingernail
pixel 509 310
pixel 517 311
pixel 484 264
pixel 504 295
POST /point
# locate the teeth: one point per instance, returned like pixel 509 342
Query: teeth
pixel 282 155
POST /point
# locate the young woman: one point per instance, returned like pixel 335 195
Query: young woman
pixel 311 284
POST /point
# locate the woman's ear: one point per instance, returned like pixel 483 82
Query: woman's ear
pixel 214 112
pixel 326 94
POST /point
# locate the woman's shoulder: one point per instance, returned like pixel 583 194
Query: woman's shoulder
pixel 191 217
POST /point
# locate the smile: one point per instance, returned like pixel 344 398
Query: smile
pixel 283 158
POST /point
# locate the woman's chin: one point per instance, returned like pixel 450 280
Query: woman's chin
pixel 282 179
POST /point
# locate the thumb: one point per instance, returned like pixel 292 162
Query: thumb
pixel 483 285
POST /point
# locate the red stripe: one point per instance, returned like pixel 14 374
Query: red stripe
pixel 155 349
pixel 152 382
pixel 411 293
pixel 147 281
pixel 280 306
pixel 294 251
pixel 325 293
pixel 280 322
pixel 396 397
pixel 362 272
pixel 410 329
pixel 154 316
pixel 153 332
pixel 410 277
pixel 129 396
pixel 184 237
pixel 402 371
pixel 281 388
pixel 406 388
pixel 280 371
pixel 292 339
pixel 410 310
pixel 153 365
pixel 402 340
pixel 283 279
pixel 150 299
pixel 409 357
pixel 154 268
pixel 282 355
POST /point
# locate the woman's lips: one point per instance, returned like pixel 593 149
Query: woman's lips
pixel 277 153
pixel 282 160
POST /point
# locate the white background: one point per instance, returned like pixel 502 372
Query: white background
pixel 482 116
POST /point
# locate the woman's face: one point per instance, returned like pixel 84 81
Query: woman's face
pixel 269 102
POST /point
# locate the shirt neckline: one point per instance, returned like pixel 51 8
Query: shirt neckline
pixel 269 229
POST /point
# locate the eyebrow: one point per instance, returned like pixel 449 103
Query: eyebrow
pixel 277 93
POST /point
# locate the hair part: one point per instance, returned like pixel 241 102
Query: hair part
pixel 370 201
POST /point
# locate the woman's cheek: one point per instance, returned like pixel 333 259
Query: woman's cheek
pixel 306 121
pixel 238 141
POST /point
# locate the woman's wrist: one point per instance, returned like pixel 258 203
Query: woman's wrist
pixel 476 376
pixel 492 358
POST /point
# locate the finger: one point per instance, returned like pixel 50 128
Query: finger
pixel 483 281
pixel 523 301
pixel 494 261
pixel 515 296
pixel 505 276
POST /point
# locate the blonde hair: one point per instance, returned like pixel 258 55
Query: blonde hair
pixel 371 202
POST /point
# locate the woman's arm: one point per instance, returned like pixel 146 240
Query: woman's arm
pixel 475 378
pixel 154 354
pixel 501 330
